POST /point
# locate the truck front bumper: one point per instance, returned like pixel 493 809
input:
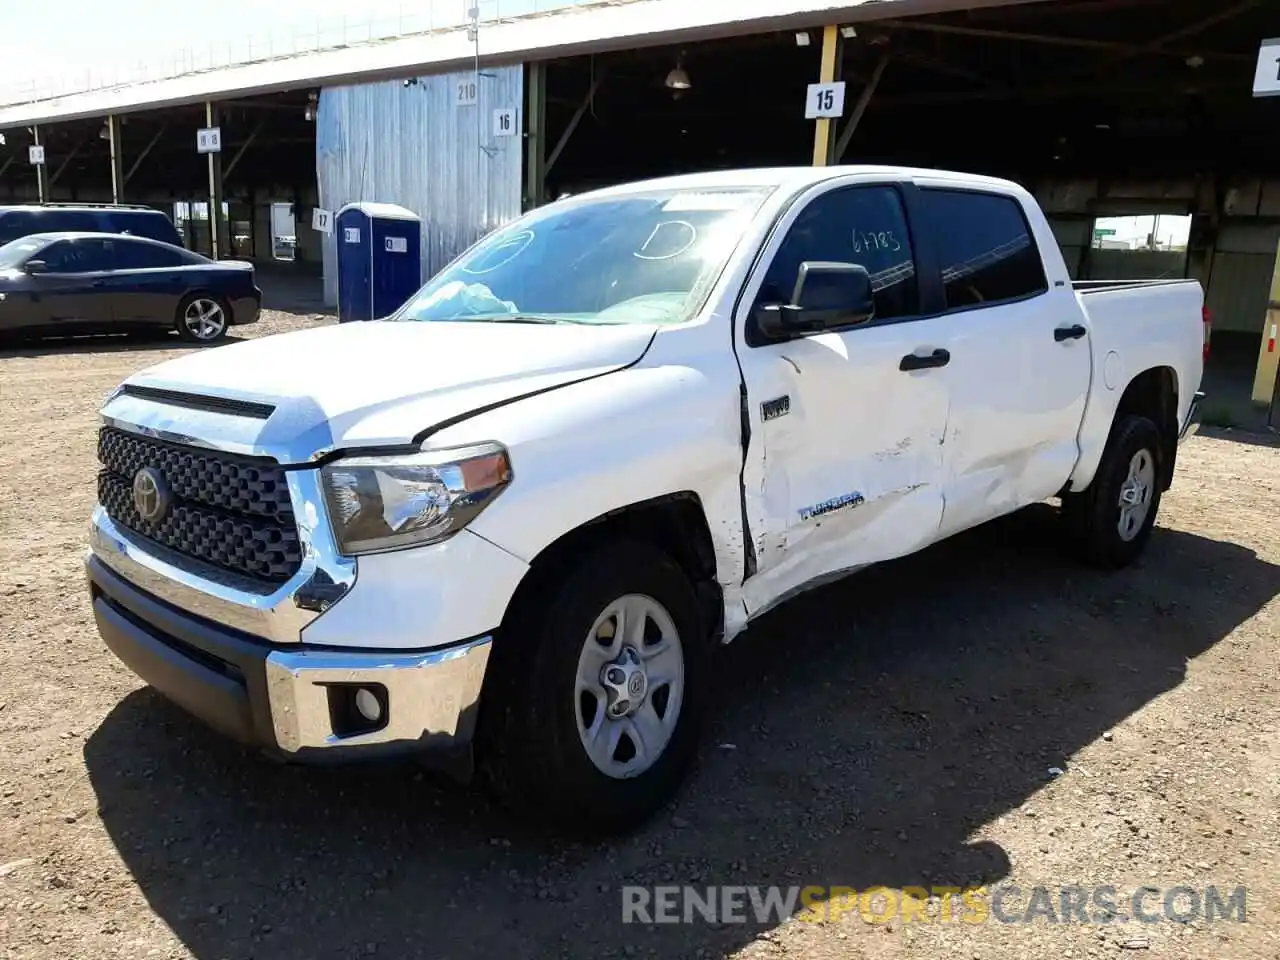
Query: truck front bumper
pixel 300 701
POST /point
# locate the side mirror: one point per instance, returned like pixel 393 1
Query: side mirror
pixel 826 295
pixel 36 266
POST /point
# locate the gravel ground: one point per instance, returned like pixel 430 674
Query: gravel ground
pixel 896 729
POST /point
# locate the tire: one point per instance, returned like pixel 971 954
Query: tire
pixel 202 318
pixel 1103 530
pixel 536 717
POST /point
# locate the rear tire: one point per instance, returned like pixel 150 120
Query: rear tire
pixel 556 740
pixel 1108 524
pixel 202 318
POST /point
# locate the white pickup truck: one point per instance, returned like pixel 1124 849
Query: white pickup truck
pixel 522 512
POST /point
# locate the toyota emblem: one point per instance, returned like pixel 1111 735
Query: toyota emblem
pixel 151 496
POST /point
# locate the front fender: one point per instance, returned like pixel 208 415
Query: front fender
pixel 591 448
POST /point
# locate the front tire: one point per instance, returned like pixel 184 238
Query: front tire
pixel 202 318
pixel 592 719
pixel 1110 523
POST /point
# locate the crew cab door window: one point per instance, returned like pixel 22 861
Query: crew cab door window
pixel 984 247
pixel 863 225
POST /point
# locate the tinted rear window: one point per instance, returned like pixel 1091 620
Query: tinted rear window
pixel 15 224
pixel 985 247
pixel 153 226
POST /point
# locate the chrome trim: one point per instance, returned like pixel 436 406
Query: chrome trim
pixel 1192 424
pixel 276 613
pixel 432 696
pixel 170 436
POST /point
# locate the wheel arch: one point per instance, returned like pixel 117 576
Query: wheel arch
pixel 1153 393
pixel 676 523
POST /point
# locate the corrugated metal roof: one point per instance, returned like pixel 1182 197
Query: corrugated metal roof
pixel 608 25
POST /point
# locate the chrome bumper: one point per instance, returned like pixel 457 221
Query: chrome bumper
pixel 278 612
pixel 1191 426
pixel 431 697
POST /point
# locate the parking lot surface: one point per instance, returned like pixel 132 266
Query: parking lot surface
pixel 987 713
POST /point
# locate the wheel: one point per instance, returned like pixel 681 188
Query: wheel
pixel 592 720
pixel 1110 523
pixel 202 318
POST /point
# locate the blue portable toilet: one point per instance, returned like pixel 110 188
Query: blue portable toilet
pixel 379 259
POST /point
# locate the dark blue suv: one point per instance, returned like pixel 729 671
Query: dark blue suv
pixel 22 221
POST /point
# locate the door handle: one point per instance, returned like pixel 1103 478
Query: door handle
pixel 913 361
pixel 1073 332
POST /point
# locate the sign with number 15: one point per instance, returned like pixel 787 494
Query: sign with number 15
pixel 824 100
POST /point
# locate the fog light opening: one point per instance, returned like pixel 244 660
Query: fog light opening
pixel 367 705
pixel 357 708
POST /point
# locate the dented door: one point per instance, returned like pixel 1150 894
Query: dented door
pixel 844 464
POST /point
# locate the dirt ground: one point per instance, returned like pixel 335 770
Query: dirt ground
pixel 896 729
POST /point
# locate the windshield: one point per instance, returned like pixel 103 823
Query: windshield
pixel 647 257
pixel 15 253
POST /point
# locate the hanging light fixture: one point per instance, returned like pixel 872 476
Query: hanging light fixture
pixel 678 78
pixel 313 104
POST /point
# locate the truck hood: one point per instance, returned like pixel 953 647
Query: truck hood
pixel 298 396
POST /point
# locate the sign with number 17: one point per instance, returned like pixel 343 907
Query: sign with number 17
pixel 1266 78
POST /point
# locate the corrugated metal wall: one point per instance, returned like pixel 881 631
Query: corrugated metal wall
pixel 1240 285
pixel 412 145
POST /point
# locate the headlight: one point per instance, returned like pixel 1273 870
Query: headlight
pixel 386 503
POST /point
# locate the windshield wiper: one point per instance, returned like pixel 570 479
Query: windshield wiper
pixel 516 318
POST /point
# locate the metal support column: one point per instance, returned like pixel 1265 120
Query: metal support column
pixel 823 141
pixel 42 179
pixel 535 162
pixel 860 108
pixel 215 189
pixel 116 144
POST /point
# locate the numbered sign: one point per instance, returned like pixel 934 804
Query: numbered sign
pixel 397 245
pixel 322 220
pixel 505 122
pixel 350 234
pixel 824 100
pixel 1266 79
pixel 35 155
pixel 209 140
pixel 466 92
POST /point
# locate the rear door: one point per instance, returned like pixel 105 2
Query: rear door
pixel 1020 364
pixel 147 283
pixel 845 461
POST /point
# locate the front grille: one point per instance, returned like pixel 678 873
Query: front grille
pixel 228 511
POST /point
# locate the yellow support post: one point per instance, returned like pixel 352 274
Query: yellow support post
pixel 1264 380
pixel 823 136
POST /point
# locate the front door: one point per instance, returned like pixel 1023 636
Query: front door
pixel 845 458
pixel 72 287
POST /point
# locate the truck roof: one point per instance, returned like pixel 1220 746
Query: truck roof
pixel 794 178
